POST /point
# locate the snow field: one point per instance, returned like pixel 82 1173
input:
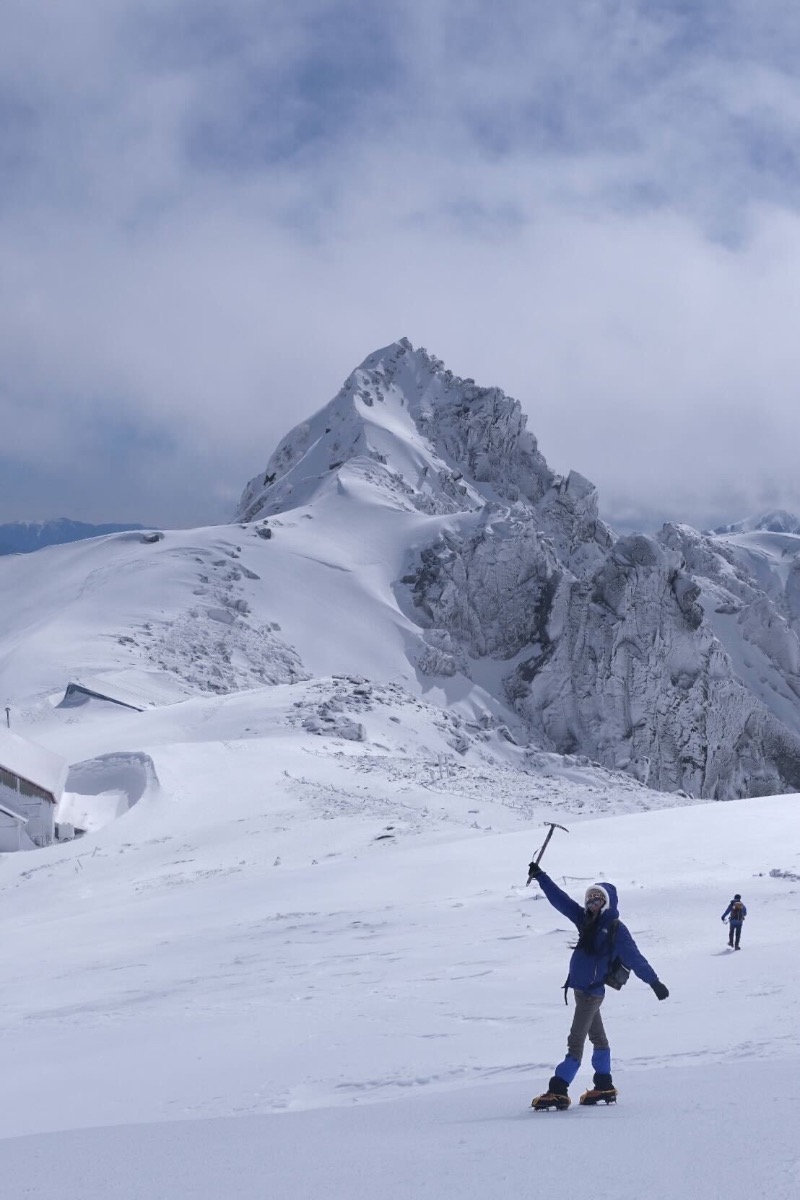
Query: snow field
pixel 163 978
pixel 304 961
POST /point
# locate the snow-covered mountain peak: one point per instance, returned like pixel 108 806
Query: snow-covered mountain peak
pixel 416 536
pixel 433 441
pixel 674 657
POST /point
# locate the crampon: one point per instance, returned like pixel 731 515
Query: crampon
pixel 550 1100
pixel 595 1095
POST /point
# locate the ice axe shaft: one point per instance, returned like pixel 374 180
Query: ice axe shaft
pixel 553 826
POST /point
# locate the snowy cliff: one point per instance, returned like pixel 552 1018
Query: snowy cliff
pixel 451 445
pixel 668 656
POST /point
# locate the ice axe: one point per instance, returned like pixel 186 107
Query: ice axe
pixel 553 826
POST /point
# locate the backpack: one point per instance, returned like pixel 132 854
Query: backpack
pixel 737 911
pixel 618 974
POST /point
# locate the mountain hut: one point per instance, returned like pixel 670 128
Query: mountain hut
pixel 31 783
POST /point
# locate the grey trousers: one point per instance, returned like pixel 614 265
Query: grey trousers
pixel 586 1021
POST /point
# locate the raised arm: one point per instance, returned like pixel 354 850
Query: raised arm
pixel 560 900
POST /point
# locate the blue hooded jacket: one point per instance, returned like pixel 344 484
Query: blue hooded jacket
pixel 587 970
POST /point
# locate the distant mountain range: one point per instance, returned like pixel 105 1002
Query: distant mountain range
pixel 23 537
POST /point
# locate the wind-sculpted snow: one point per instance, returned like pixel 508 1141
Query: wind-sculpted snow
pixel 776 521
pixel 102 789
pixel 749 588
pixel 674 658
pixel 770 559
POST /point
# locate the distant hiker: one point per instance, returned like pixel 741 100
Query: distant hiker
pixel 737 912
pixel 601 938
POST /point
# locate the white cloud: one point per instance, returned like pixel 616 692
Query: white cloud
pixel 212 213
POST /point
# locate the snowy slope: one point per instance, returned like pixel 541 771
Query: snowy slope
pixel 219 609
pixel 778 520
pixel 469 1145
pixel 246 969
pixel 773 559
pixel 295 955
pixel 750 593
pixel 412 533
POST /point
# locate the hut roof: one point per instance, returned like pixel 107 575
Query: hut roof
pixel 33 763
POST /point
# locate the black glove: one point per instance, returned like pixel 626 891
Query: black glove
pixel 660 989
pixel 533 870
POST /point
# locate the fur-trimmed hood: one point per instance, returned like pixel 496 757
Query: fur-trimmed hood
pixel 610 892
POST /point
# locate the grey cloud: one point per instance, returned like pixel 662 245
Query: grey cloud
pixel 212 212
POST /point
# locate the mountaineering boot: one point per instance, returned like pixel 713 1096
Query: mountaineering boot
pixel 603 1090
pixel 555 1097
pixel 595 1095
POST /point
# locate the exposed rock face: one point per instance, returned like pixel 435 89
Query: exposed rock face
pixel 664 656
pixel 442 436
pixel 638 680
pixel 491 591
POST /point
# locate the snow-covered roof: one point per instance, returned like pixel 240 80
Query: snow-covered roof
pixel 130 688
pixel 80 692
pixel 32 762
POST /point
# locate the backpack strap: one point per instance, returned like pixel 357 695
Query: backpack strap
pixel 613 932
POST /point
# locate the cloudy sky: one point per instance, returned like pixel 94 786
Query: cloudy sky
pixel 212 210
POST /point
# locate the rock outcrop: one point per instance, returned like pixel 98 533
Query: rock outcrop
pixel 666 656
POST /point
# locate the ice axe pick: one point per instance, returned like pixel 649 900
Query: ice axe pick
pixel 553 826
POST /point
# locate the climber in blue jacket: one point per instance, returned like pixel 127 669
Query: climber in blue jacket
pixel 599 931
pixel 737 912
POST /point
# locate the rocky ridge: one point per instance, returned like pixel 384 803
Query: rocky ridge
pixel 664 656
